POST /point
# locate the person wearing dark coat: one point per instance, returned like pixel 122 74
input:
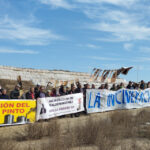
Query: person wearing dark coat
pixel 36 91
pixel 73 91
pixel 86 86
pixel 113 88
pixel 93 86
pixel 48 93
pixel 53 93
pixel 129 86
pixel 62 90
pixel 4 94
pixel 41 93
pixel 79 88
pixel 30 94
pixel 15 93
pixel 142 85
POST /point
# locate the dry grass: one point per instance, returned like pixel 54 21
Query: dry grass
pixel 39 130
pixel 143 116
pixel 89 134
pixel 109 133
pixel 7 145
pixel 103 134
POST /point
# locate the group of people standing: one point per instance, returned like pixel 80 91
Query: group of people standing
pixel 41 92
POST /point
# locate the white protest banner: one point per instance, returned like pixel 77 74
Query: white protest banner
pixel 50 107
pixel 106 100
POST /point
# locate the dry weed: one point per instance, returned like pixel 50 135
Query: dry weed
pixel 39 130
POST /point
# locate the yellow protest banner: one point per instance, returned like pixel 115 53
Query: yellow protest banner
pixel 17 111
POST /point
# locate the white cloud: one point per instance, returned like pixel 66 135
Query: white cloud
pixel 114 2
pixel 144 49
pixel 57 3
pixel 128 46
pixel 104 58
pixel 92 46
pixel 141 59
pixel 12 51
pixel 122 30
pixel 119 24
pixel 24 33
pixel 124 23
pixel 69 4
pixel 127 21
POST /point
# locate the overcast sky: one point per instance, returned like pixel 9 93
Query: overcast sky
pixel 76 35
